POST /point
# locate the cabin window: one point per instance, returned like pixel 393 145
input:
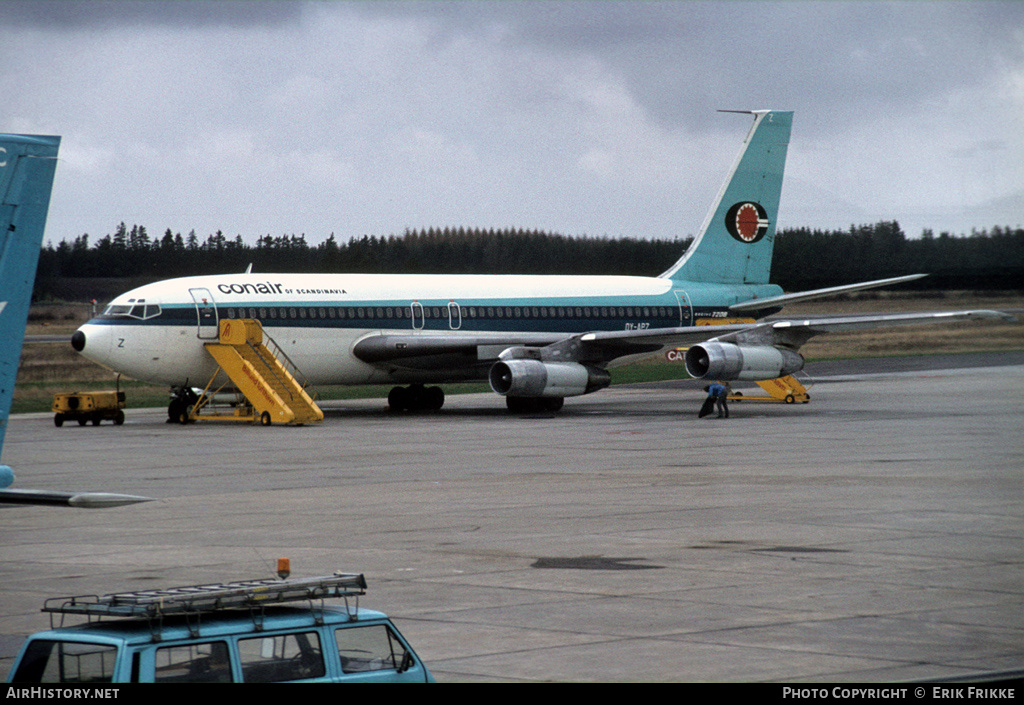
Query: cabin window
pixel 134 309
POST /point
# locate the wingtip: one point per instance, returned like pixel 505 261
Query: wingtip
pixel 104 500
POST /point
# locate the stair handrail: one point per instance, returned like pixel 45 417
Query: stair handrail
pixel 286 362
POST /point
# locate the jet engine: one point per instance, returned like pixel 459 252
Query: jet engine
pixel 727 361
pixel 533 378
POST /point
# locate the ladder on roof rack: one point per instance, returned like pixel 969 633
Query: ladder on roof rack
pixel 194 599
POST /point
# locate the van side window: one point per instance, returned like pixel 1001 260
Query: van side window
pixel 372 648
pixel 285 657
pixel 193 663
pixel 49 661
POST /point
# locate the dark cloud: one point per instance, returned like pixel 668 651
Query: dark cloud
pixel 72 14
pixel 593 117
pixel 682 59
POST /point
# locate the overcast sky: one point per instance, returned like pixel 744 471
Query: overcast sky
pixel 584 118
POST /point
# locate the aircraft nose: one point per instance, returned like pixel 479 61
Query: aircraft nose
pixel 78 341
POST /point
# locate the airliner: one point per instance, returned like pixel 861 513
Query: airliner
pixel 27 167
pixel 535 339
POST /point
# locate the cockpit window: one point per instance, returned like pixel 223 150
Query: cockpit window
pixel 134 308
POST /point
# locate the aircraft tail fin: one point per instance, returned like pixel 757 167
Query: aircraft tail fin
pixel 735 243
pixel 27 165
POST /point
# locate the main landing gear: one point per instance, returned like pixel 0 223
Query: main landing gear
pixel 526 405
pixel 416 397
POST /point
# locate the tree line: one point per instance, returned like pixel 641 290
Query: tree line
pixel 804 258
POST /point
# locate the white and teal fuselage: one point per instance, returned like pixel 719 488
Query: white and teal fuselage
pixel 157 332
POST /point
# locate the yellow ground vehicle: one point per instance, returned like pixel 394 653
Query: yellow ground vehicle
pixel 88 406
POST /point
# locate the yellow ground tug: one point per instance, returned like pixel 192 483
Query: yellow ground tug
pixel 88 406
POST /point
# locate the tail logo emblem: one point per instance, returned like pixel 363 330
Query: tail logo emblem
pixel 747 222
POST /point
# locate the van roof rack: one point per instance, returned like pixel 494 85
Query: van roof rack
pixel 197 599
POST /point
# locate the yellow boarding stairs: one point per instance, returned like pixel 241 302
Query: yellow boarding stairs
pixel 264 377
pixel 786 389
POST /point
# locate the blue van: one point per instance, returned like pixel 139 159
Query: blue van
pixel 226 633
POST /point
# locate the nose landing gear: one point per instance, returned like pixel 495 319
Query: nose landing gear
pixel 416 397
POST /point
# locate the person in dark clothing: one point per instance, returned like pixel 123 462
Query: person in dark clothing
pixel 720 393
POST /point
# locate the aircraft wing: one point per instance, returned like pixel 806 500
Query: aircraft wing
pixel 466 352
pixel 791 333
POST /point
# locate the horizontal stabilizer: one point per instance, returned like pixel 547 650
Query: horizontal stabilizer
pixel 82 500
pixel 776 301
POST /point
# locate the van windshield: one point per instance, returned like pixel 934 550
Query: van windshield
pixel 51 661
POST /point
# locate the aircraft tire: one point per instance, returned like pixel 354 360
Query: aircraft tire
pixel 398 399
pixel 527 405
pixel 174 411
pixel 554 403
pixel 433 399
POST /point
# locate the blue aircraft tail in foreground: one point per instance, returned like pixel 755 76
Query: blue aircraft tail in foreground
pixel 27 166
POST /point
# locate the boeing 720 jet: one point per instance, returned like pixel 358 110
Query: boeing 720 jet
pixel 536 339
